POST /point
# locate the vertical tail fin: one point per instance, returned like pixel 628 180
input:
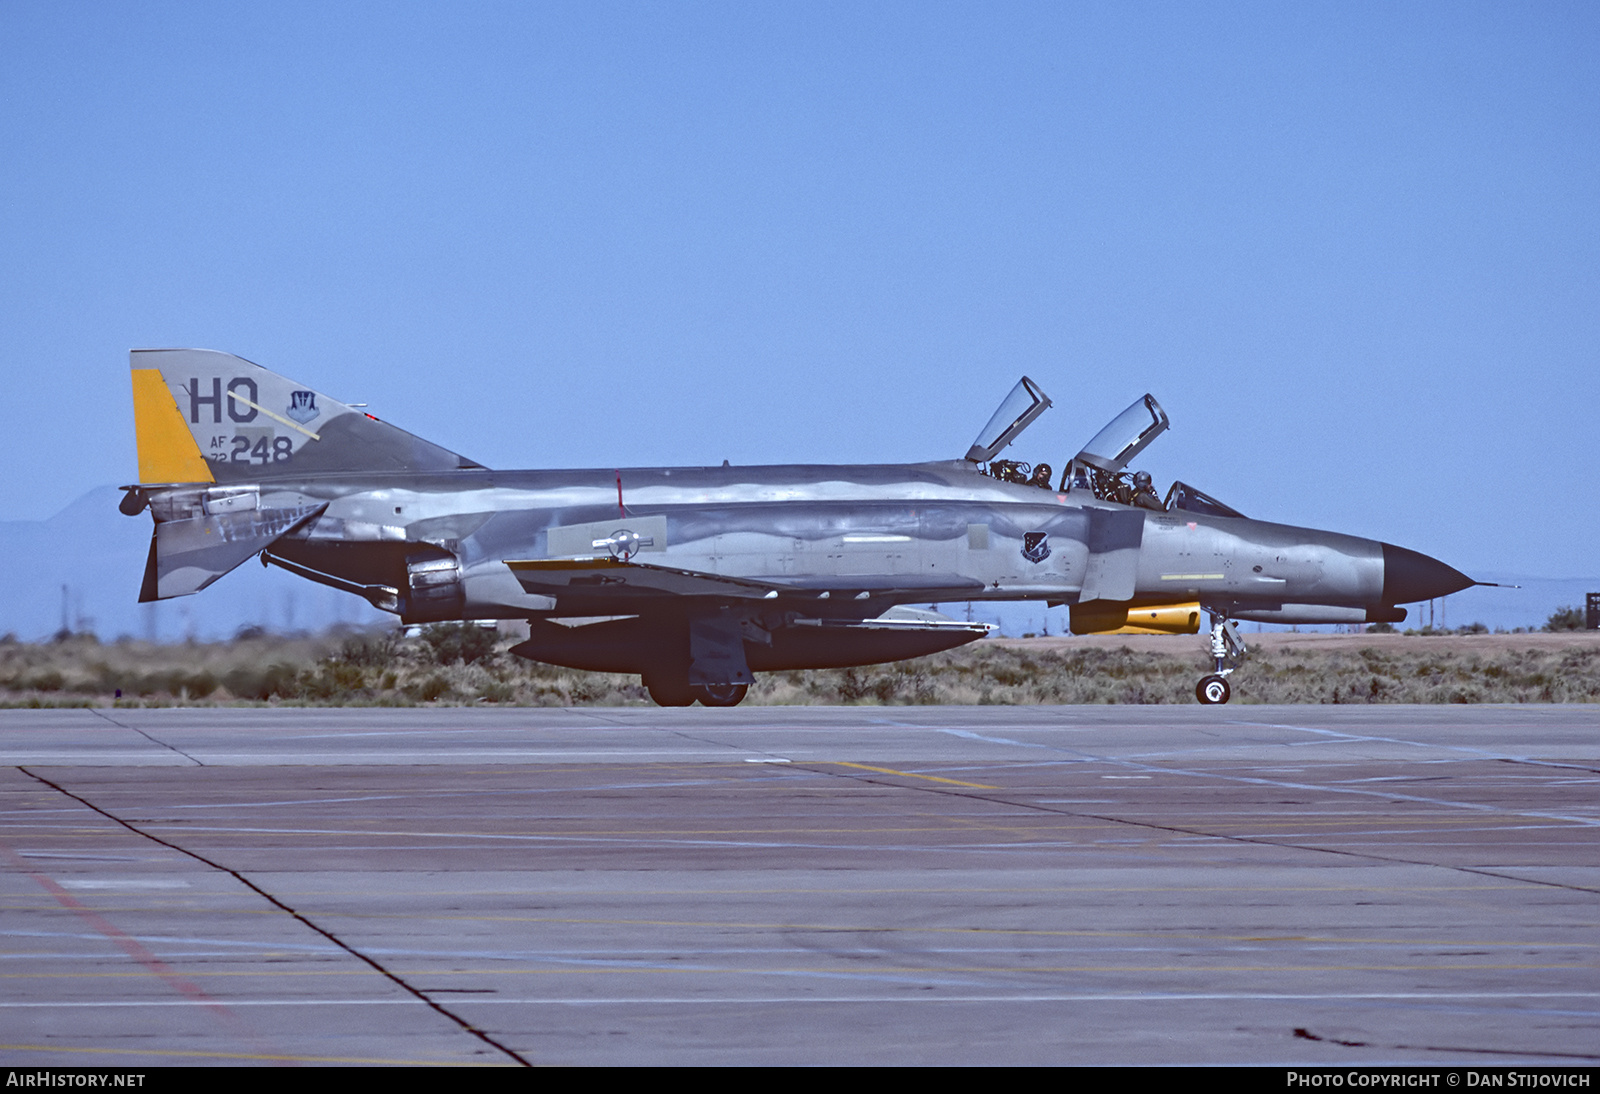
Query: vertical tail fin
pixel 205 416
pixel 214 432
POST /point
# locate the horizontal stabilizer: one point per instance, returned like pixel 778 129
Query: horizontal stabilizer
pixel 187 555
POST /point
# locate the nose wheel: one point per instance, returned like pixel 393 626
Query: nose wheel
pixel 1227 651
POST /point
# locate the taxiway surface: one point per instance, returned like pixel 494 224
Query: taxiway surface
pixel 1326 885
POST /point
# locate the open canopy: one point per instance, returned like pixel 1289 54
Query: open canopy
pixel 1129 434
pixel 1025 403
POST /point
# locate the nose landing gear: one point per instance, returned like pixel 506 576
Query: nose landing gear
pixel 1213 689
pixel 1227 650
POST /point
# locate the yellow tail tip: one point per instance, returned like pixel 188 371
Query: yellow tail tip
pixel 167 451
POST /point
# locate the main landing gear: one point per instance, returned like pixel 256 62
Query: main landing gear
pixel 720 695
pixel 668 692
pixel 1227 650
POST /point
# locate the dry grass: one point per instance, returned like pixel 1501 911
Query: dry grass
pixel 380 670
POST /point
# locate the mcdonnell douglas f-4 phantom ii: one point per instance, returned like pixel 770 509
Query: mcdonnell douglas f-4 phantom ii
pixel 695 578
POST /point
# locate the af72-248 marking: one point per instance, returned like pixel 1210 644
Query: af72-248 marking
pixel 695 578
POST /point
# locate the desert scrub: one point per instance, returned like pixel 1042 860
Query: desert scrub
pixel 466 664
pixel 992 674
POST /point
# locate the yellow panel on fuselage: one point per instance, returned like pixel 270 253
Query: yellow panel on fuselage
pixel 1109 617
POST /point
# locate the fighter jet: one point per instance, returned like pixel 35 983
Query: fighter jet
pixel 696 578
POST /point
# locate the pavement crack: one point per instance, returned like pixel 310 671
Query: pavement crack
pixel 997 799
pixel 1550 763
pixel 153 740
pixel 299 916
pixel 687 736
pixel 1306 1035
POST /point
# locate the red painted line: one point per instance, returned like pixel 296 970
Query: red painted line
pixel 128 944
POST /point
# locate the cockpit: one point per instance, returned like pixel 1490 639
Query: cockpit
pixel 1100 467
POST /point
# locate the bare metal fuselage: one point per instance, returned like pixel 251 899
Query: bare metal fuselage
pixel 833 542
pixel 697 577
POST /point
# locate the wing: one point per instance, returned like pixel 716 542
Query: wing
pixel 602 585
pixel 616 580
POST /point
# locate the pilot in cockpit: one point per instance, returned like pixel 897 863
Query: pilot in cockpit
pixel 1144 492
pixel 1097 468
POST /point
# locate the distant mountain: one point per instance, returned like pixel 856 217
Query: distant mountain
pixel 89 558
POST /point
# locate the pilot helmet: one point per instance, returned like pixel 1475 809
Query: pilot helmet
pixel 1141 481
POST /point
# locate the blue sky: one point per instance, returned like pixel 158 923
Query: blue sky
pixel 1351 248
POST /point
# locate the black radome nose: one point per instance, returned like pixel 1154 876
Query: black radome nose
pixel 1410 576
